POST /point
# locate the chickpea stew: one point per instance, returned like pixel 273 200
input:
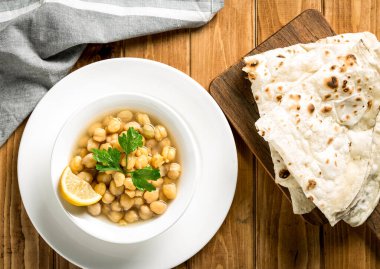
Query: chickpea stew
pixel 129 161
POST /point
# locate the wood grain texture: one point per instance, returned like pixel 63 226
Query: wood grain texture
pixel 260 231
pixel 214 47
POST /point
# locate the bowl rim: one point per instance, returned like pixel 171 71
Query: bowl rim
pixel 178 118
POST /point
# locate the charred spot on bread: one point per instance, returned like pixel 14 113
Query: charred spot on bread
pixel 295 97
pixel 326 109
pixel 280 56
pixel 350 59
pixel 284 173
pixel 257 97
pixel 254 63
pixel 332 68
pixel 279 98
pixel 327 96
pixel 310 198
pixel 369 104
pixel 332 82
pixel 330 140
pixel 311 184
pixel 251 76
pixel 311 108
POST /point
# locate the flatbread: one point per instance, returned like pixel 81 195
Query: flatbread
pixel 349 72
pixel 272 66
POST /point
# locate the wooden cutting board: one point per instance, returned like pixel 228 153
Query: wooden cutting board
pixel 231 90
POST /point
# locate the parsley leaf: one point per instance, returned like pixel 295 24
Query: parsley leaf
pixel 131 141
pixel 108 160
pixel 140 178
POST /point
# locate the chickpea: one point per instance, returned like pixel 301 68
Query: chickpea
pixel 94 209
pixel 86 176
pixel 114 125
pixel 148 131
pixel 112 138
pixel 115 206
pixel 128 183
pixel 82 152
pixel 116 145
pixel 91 144
pixel 131 162
pixel 157 183
pixel 145 212
pixel 163 170
pixel 160 132
pixel 142 151
pixel 131 216
pixel 151 196
pixel 105 146
pixel 123 160
pixel 164 142
pixel 83 141
pixel 126 202
pixel 108 197
pixel 122 222
pixel 168 153
pixel 104 178
pixel 158 207
pixel 119 179
pixel 92 128
pixel 139 202
pixel 157 160
pixel 170 191
pixel 155 150
pixel 162 197
pixel 76 164
pixel 130 193
pixel 151 143
pixel 132 124
pixel 141 162
pixel 169 180
pixel 93 184
pixel 125 115
pixel 115 216
pixel 106 209
pixel 107 120
pixel 174 171
pixel 99 135
pixel 116 190
pixel 142 118
pixel 139 193
pixel 100 188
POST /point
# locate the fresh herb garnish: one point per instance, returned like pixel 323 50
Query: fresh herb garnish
pixel 140 178
pixel 108 160
pixel 131 141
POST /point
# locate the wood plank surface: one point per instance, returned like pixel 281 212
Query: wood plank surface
pixel 260 231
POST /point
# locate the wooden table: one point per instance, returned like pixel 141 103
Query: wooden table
pixel 260 230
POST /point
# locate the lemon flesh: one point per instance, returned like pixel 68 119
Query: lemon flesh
pixel 76 191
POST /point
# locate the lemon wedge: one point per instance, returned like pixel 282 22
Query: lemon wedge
pixel 76 191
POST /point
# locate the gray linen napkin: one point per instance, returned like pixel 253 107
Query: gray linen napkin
pixel 40 40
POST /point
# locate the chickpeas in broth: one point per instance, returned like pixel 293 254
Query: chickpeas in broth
pixel 122 202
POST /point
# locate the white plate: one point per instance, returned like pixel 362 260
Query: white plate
pixel 211 200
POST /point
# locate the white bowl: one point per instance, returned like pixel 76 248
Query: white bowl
pixel 100 227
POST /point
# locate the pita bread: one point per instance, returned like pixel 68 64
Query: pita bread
pixel 271 66
pixel 306 128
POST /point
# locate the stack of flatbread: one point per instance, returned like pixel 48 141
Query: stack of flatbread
pixel 319 111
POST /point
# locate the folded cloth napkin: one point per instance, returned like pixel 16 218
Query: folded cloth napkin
pixel 40 40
